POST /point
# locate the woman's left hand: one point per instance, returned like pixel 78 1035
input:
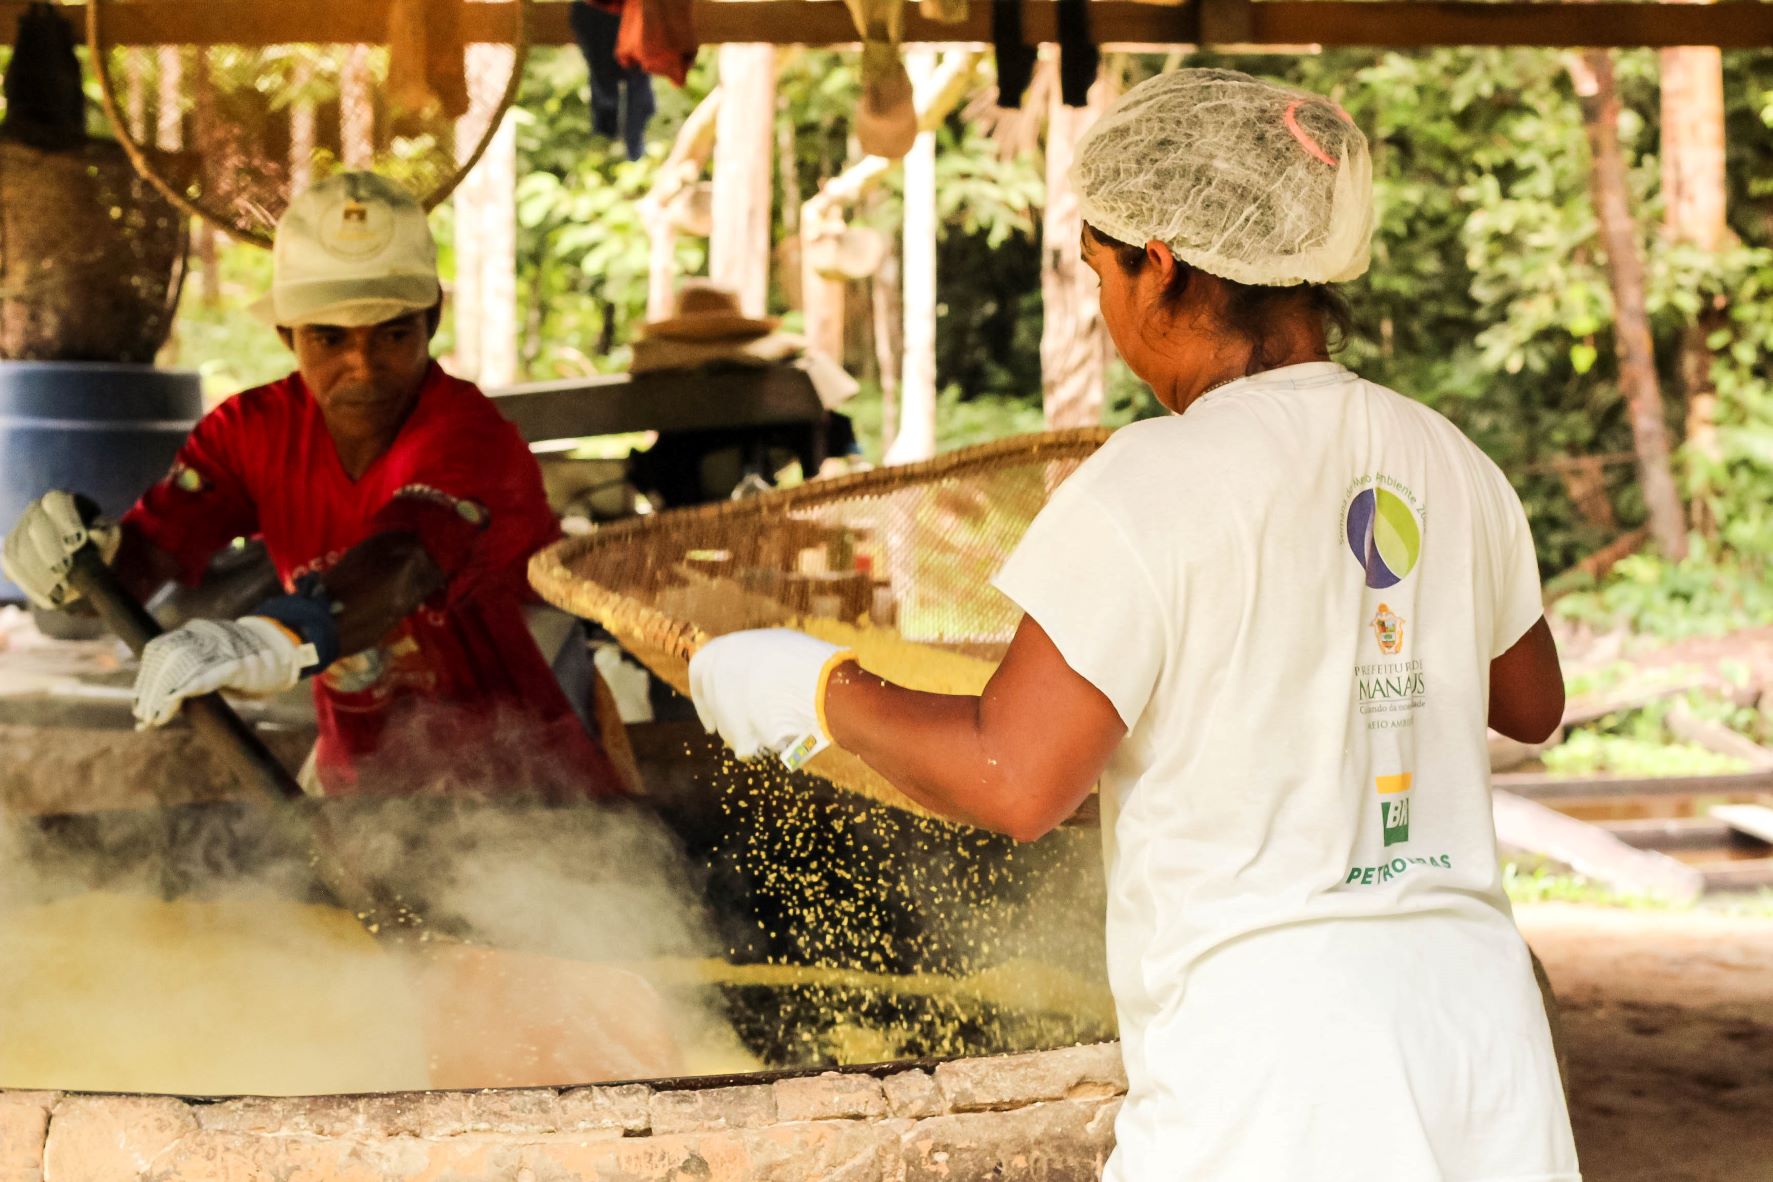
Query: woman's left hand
pixel 764 689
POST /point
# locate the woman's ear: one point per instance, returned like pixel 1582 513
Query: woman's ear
pixel 1160 263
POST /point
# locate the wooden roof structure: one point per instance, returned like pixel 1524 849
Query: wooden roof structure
pixel 1254 24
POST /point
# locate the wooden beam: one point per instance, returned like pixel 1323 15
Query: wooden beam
pixel 1673 833
pixel 1743 874
pixel 1288 24
pixel 1537 786
pixel 1591 851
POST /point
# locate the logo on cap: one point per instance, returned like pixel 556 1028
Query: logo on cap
pixel 355 229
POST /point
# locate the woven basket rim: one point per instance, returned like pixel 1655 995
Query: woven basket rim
pixel 551 569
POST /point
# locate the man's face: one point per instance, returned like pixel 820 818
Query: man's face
pixel 363 377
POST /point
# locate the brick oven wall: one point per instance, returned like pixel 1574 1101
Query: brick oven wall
pixel 1047 1116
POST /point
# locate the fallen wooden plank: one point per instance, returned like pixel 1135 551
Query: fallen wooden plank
pixel 1591 851
pixel 1756 820
pixel 1715 736
pixel 1672 833
pixel 1742 874
pixel 1539 786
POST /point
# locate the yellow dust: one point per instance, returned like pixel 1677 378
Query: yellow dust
pixel 112 992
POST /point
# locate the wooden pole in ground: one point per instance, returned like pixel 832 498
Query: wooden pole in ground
pixel 825 212
pixel 744 150
pixel 916 436
pixel 496 229
pixel 1073 340
pixel 677 176
pixel 1592 73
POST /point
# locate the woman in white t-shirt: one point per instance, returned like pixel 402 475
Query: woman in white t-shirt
pixel 1273 627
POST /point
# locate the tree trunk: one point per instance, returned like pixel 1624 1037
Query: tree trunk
pixel 1694 212
pixel 739 252
pixel 1073 339
pixel 916 436
pixel 1592 73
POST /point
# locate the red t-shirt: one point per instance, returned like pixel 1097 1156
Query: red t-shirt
pixel 456 696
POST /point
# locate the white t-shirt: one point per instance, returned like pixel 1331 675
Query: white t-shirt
pixel 1292 595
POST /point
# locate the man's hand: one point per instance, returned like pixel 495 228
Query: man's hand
pixel 253 655
pixel 40 549
pixel 762 689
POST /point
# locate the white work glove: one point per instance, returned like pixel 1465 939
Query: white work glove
pixel 254 655
pixel 764 690
pixel 41 547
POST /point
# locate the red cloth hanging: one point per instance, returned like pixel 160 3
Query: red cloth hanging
pixel 658 36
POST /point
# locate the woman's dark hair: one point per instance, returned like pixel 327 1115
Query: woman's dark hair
pixel 1249 307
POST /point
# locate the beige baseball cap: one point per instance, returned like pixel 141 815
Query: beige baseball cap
pixel 353 250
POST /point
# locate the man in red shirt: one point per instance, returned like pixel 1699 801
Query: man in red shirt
pixel 400 510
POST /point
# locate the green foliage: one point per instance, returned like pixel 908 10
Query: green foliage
pixel 960 421
pixel 1487 299
pixel 230 348
pixel 1702 595
pixel 1586 752
pixel 1541 884
pixel 582 251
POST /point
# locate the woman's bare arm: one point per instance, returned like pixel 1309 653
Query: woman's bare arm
pixel 1018 759
pixel 1527 687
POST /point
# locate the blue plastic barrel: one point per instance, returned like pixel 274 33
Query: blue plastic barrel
pixel 105 430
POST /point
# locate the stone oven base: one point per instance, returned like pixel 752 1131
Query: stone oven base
pixel 1041 1117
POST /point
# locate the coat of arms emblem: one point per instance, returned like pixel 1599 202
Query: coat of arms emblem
pixel 1388 627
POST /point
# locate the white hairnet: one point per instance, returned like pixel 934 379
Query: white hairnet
pixel 1244 179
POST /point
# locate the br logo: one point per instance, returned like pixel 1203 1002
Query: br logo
pixel 1394 806
pixel 1384 536
pixel 1388 626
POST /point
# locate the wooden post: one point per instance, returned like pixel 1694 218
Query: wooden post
pixel 497 231
pixel 302 129
pixel 1592 72
pixel 484 300
pixel 1073 340
pixel 744 140
pixel 888 320
pixel 169 133
pixel 681 170
pixel 1694 213
pixel 135 92
pixel 916 436
pixel 357 114
pixel 824 212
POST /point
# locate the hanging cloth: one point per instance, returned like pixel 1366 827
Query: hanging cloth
pixel 1079 59
pixel 621 96
pixel 1015 58
pixel 658 36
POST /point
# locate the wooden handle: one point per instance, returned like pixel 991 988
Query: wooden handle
pixel 246 754
pixel 211 717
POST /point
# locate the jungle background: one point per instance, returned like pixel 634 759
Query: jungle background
pixel 1489 297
